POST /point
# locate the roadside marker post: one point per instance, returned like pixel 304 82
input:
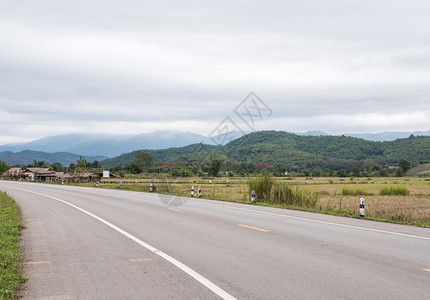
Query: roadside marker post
pixel 150 188
pixel 200 191
pixel 97 184
pixel 362 207
pixel 192 191
pixel 62 181
pixel 253 196
pixel 120 185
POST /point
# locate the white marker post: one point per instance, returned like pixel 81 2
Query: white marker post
pixel 200 191
pixel 150 188
pixel 97 184
pixel 62 181
pixel 252 195
pixel 192 191
pixel 362 208
pixel 120 185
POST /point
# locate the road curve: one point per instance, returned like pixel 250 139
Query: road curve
pixel 87 243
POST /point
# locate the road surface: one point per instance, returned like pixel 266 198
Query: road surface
pixel 87 243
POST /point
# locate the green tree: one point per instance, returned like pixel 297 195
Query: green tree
pixel 383 172
pixel 368 165
pixel 342 173
pixel 95 164
pixel 3 166
pixel 72 168
pixel 177 172
pixel 216 162
pixel 356 172
pixel 400 172
pixel 81 163
pixel 143 160
pixel 404 165
pixel 38 164
pixel 317 173
pixel 279 170
pixel 57 167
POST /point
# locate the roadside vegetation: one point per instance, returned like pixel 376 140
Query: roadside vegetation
pixel 395 200
pixel 10 259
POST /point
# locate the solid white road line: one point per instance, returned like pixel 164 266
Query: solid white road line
pixel 316 221
pixel 214 288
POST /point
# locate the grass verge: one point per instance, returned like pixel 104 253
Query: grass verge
pixel 10 259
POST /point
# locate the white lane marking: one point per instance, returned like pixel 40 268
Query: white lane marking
pixel 214 288
pixel 318 221
pixel 37 262
pixel 311 220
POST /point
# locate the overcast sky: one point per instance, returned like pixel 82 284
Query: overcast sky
pixel 128 67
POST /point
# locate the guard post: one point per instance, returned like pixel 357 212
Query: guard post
pixel 253 196
pixel 200 191
pixel 192 191
pixel 362 207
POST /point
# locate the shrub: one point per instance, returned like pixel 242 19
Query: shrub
pixel 355 192
pixel 284 194
pixel 268 191
pixel 262 187
pixel 394 191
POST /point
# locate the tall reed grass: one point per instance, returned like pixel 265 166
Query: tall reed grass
pixel 268 191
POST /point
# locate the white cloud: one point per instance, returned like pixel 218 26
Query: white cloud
pixel 138 65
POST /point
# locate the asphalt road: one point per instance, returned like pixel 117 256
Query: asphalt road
pixel 87 243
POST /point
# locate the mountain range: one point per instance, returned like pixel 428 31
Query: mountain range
pixel 27 157
pixel 67 148
pixel 114 145
pixel 296 152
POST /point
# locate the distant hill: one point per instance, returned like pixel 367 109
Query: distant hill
pixel 422 170
pixel 297 152
pixel 311 133
pixel 190 153
pixel 109 145
pixel 376 137
pixel 387 136
pixel 27 157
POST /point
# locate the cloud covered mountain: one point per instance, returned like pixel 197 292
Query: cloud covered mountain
pixel 109 145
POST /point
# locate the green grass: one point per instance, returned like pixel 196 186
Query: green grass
pixel 354 192
pixel 420 169
pixel 10 259
pixel 394 191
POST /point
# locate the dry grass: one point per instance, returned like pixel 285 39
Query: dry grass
pixel 335 195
